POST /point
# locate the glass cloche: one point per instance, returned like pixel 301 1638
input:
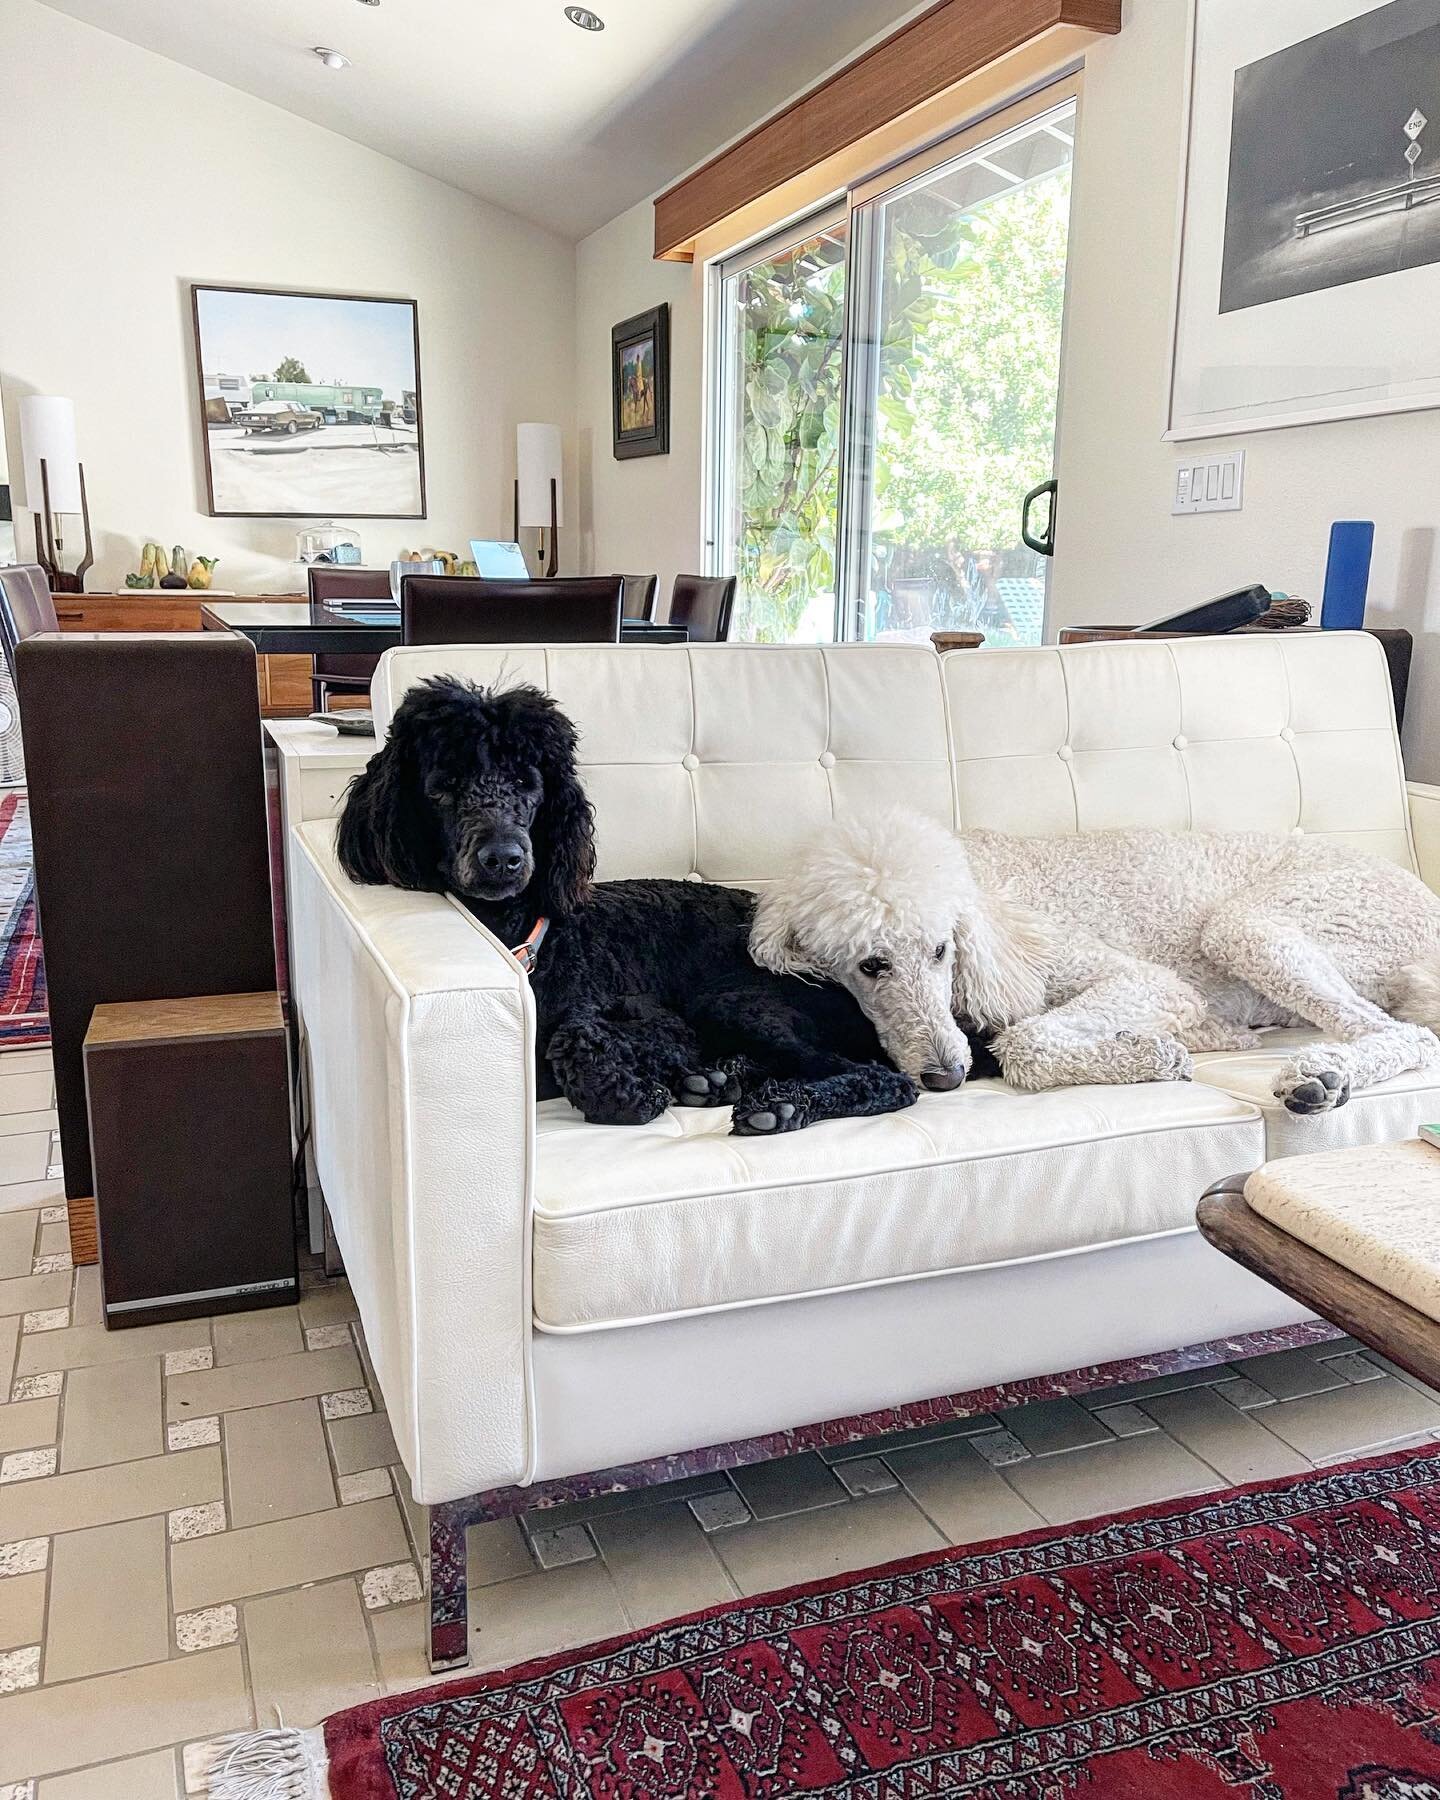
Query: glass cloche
pixel 327 543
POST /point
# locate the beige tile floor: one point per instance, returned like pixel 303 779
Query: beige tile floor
pixel 203 1525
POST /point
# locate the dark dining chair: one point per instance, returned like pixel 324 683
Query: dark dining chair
pixel 640 596
pixel 703 604
pixel 465 609
pixel 26 607
pixel 333 671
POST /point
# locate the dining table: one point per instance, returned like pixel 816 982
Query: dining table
pixel 310 628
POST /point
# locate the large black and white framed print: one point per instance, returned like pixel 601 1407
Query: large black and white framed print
pixel 1309 270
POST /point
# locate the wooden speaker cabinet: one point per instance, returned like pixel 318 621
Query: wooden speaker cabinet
pixel 152 852
pixel 190 1142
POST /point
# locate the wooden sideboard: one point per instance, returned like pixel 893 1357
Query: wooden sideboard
pixel 284 680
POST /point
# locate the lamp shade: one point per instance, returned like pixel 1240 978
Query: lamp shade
pixel 538 463
pixel 47 430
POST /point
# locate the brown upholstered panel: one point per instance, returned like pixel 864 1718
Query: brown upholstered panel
pixel 339 581
pixel 147 805
pixel 466 609
pixel 703 604
pixel 641 592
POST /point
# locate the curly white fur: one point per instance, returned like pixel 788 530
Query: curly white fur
pixel 1110 956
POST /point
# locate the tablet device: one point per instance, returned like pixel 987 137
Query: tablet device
pixel 497 561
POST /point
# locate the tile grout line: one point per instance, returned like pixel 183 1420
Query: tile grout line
pixel 919 1505
pixel 366 1614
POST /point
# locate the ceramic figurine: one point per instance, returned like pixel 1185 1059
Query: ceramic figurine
pixel 146 577
pixel 175 577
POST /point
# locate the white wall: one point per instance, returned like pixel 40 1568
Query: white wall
pixel 129 176
pixel 1120 554
pixel 642 515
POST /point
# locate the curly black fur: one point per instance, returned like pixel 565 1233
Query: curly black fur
pixel 645 991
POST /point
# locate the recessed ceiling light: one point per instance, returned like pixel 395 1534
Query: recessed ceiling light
pixel 332 59
pixel 584 18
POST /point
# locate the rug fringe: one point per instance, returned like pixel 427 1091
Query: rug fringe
pixel 282 1763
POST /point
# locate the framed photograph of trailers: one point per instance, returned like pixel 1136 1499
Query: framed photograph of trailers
pixel 309 404
pixel 1308 275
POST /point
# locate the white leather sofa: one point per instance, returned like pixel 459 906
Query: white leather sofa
pixel 544 1299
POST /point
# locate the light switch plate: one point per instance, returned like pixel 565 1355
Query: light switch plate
pixel 1210 484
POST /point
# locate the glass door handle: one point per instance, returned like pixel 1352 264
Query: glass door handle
pixel 1043 546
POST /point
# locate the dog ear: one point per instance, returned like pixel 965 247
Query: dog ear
pixel 1002 952
pixel 387 834
pixel 774 944
pixel 564 831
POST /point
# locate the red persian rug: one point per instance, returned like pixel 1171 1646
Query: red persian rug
pixel 1276 1642
pixel 24 1019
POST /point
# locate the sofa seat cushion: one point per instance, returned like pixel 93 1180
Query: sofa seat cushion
pixel 640 1223
pixel 1391 1109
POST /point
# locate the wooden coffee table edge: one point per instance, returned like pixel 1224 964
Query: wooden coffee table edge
pixel 1346 1299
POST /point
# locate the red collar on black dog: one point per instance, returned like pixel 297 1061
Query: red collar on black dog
pixel 527 954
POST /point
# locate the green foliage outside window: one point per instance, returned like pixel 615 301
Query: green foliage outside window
pixel 965 415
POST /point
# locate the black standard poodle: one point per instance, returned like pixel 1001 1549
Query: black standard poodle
pixel 645 992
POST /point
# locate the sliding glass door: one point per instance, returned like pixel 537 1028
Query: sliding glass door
pixel 780 328
pixel 887 382
pixel 956 367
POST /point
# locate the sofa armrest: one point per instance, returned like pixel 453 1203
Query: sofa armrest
pixel 1425 829
pixel 418 1033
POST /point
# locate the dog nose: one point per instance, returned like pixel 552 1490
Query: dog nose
pixel 502 859
pixel 941 1081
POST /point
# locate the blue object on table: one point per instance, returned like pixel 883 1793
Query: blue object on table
pixel 1347 574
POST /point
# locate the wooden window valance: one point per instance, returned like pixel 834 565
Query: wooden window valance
pixel 941 47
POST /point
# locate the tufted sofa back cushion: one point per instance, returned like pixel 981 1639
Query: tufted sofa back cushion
pixel 715 761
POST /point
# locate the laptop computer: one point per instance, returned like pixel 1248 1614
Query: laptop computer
pixel 498 561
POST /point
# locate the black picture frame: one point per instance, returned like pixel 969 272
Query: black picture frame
pixel 197 288
pixel 652 438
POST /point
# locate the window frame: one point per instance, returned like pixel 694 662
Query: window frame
pixel 720 397
pixel 858 207
pixel 866 201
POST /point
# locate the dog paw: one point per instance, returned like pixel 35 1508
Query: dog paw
pixel 635 1106
pixel 1319 1092
pixel 1155 1056
pixel 710 1087
pixel 770 1111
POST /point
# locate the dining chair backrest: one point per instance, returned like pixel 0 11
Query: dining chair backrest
pixel 703 604
pixel 339 581
pixel 26 606
pixel 640 594
pixel 465 609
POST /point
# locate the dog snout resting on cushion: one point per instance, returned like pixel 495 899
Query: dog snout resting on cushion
pixel 645 992
pixel 1110 956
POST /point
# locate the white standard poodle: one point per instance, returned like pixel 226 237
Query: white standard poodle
pixel 1110 955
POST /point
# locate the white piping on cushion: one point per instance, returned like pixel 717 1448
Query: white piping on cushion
pixel 857 1287
pixel 1247 1114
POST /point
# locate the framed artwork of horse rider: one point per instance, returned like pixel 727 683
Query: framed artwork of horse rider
pixel 640 380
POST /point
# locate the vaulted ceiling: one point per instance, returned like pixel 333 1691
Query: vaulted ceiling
pixel 506 98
